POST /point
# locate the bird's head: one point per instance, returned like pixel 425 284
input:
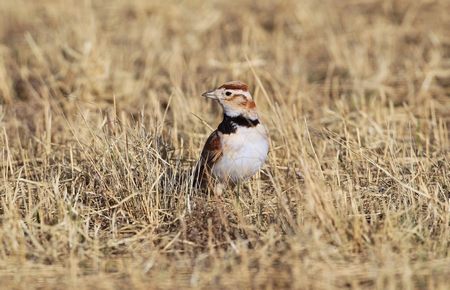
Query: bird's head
pixel 235 99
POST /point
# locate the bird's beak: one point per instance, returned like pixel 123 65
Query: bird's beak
pixel 210 94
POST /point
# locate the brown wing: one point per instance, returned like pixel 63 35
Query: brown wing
pixel 211 152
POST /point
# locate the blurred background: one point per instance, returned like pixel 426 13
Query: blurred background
pixel 141 52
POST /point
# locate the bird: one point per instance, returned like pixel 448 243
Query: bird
pixel 238 148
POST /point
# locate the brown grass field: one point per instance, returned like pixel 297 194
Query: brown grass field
pixel 101 123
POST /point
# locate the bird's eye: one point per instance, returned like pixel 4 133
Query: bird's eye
pixel 228 93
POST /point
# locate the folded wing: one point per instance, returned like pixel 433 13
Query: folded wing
pixel 211 153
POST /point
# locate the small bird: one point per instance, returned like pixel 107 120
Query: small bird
pixel 239 146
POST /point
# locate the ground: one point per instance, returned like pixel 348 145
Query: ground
pixel 102 121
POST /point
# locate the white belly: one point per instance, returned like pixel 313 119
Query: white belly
pixel 244 153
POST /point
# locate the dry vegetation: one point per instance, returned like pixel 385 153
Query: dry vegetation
pixel 101 122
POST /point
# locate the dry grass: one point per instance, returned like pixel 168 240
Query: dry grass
pixel 99 132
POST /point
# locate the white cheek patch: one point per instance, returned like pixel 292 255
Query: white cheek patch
pixel 245 95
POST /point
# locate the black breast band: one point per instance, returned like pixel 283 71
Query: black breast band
pixel 229 124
